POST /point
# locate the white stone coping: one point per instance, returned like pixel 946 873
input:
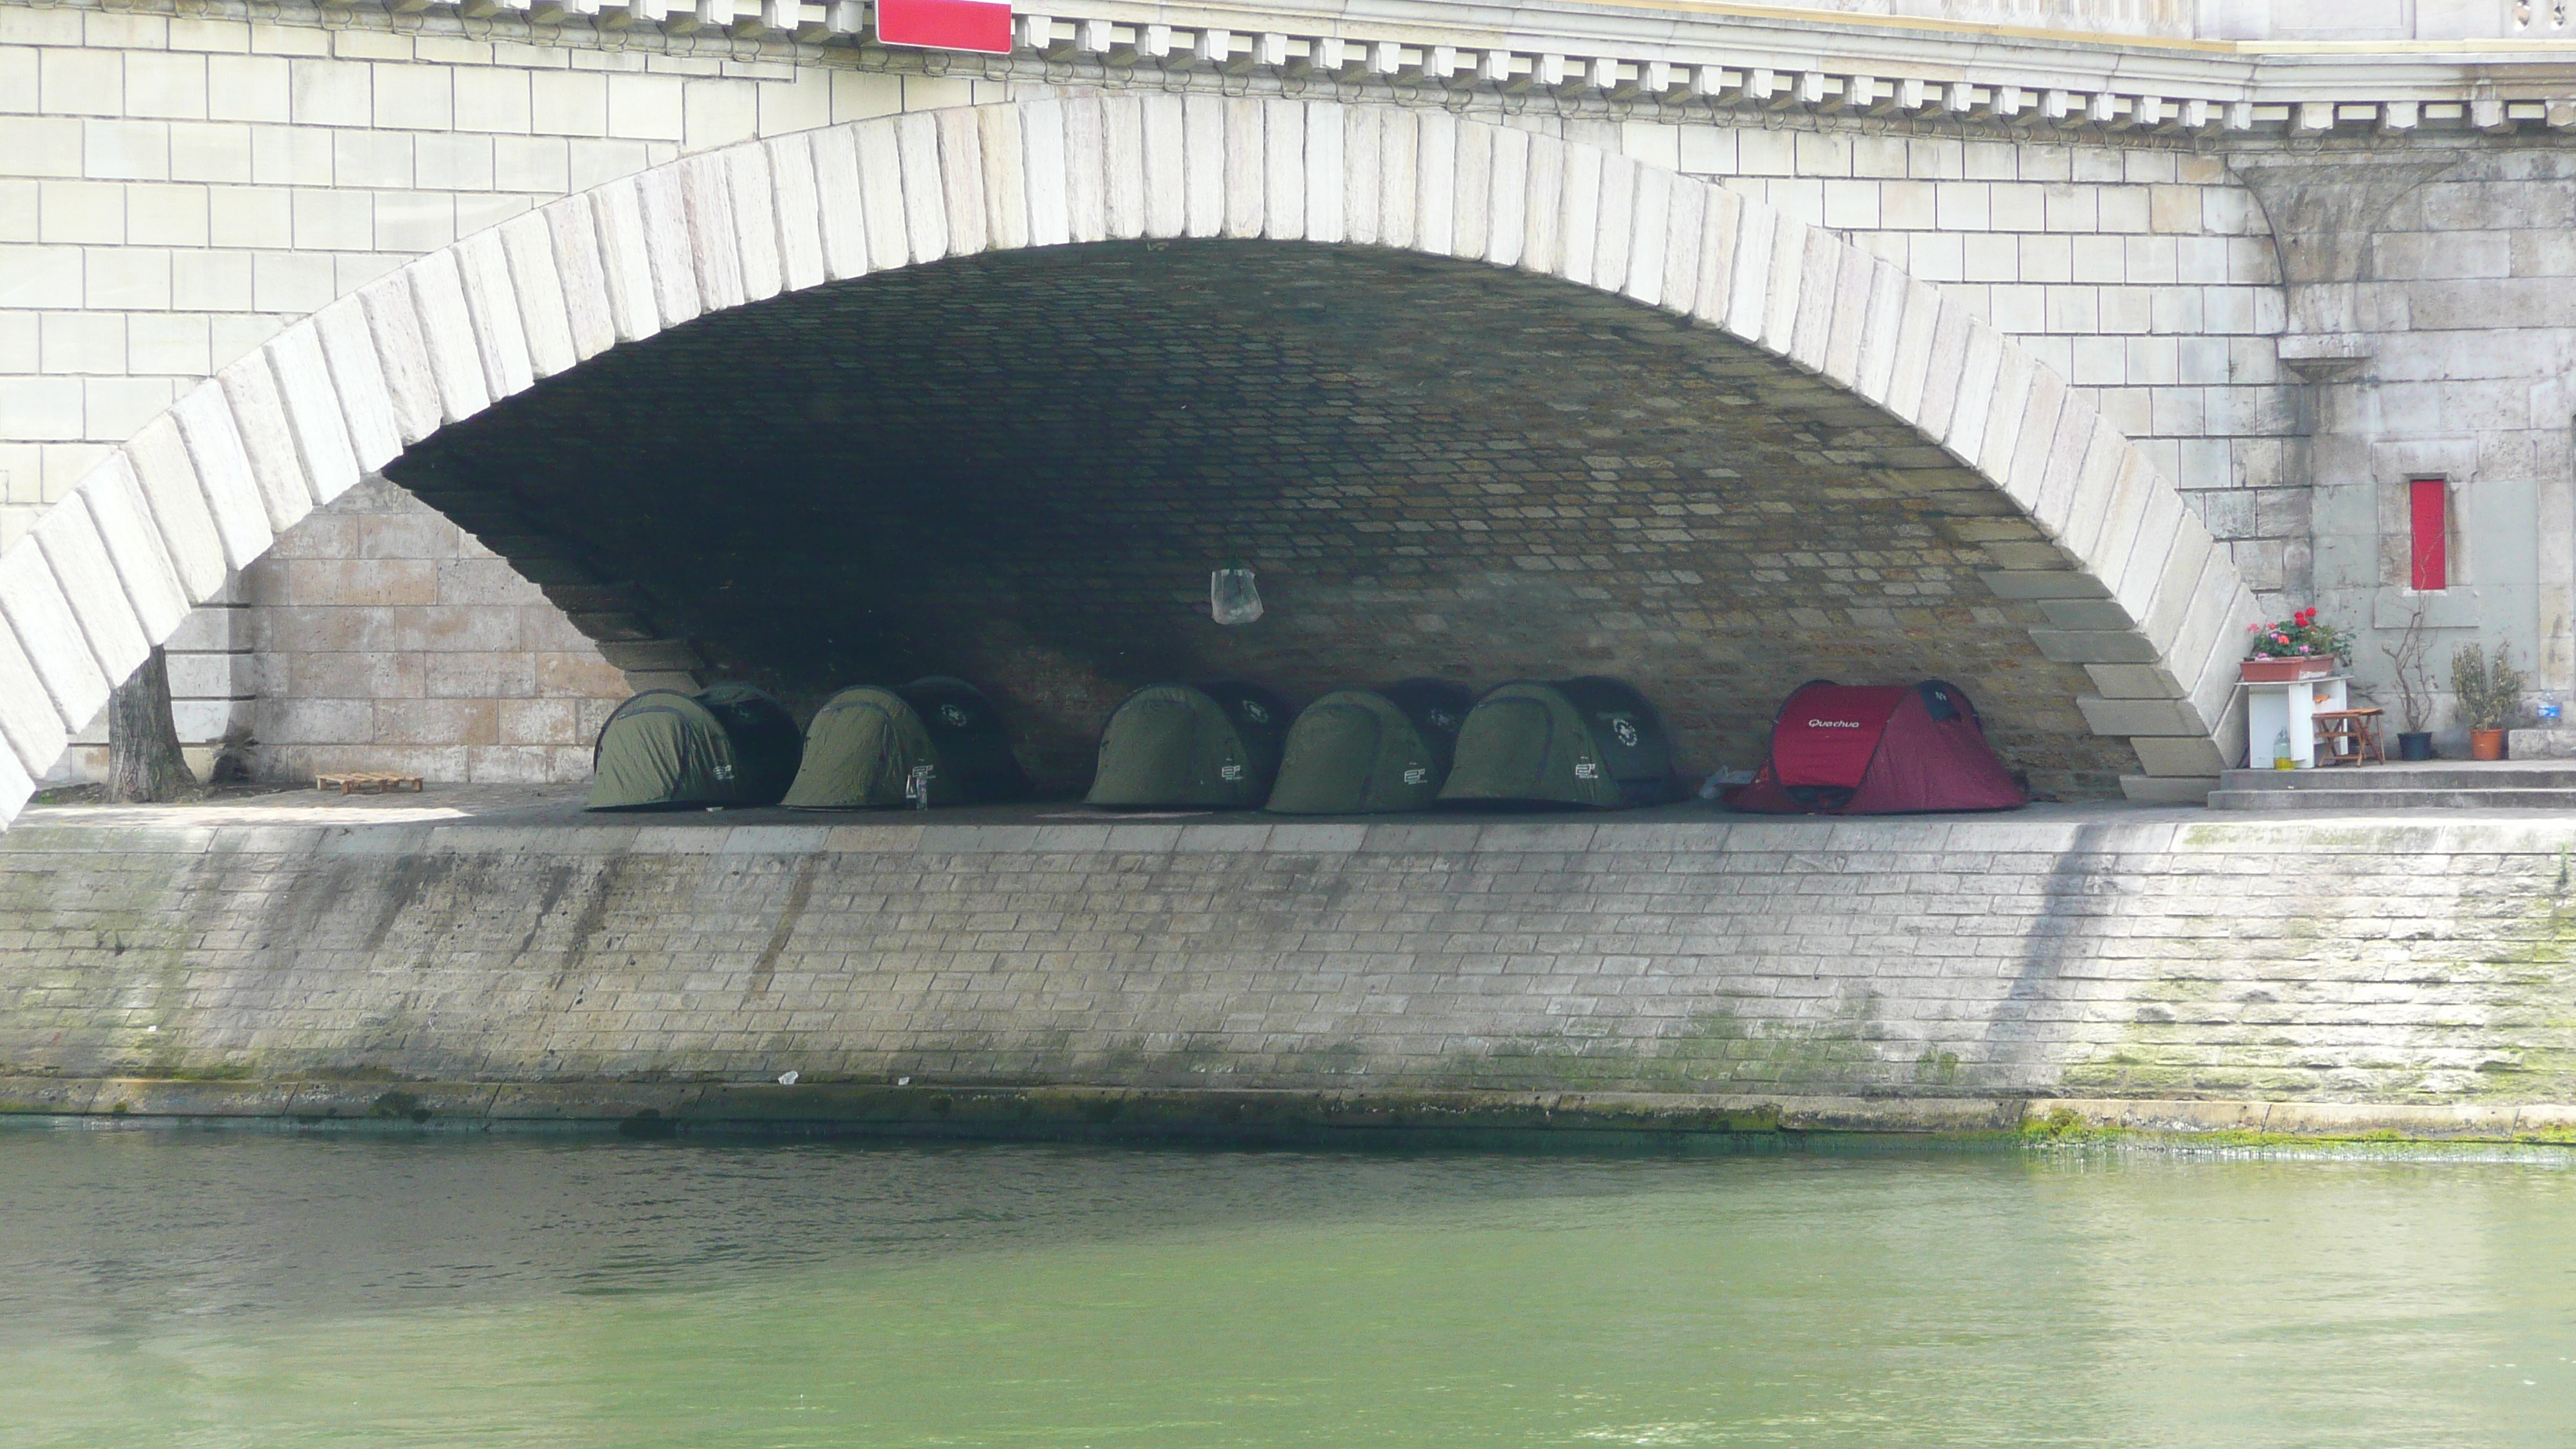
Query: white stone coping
pixel 1670 62
pixel 1821 846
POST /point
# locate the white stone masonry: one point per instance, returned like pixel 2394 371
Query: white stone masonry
pixel 2133 584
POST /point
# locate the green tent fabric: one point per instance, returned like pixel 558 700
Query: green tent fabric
pixel 1370 751
pixel 729 745
pixel 1632 739
pixel 860 752
pixel 661 750
pixel 974 746
pixel 1591 742
pixel 865 742
pixel 1174 745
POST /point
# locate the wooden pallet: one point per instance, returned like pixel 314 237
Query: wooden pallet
pixel 365 782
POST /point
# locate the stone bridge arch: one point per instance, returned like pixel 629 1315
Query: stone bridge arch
pixel 2078 541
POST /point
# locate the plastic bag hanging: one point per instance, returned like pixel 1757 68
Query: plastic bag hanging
pixel 1232 599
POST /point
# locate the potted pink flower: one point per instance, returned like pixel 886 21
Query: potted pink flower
pixel 2298 647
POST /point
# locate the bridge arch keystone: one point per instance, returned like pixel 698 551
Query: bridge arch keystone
pixel 2130 584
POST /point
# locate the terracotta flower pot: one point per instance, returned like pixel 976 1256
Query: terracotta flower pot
pixel 2486 744
pixel 2281 671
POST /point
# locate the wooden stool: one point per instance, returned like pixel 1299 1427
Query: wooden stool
pixel 2348 737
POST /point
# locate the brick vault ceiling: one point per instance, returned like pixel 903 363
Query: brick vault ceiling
pixel 1020 467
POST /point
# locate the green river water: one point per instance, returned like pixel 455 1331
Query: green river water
pixel 202 1288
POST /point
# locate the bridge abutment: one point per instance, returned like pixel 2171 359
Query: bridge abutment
pixel 180 187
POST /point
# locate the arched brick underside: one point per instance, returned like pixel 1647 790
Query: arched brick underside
pixel 1019 466
pixel 2119 580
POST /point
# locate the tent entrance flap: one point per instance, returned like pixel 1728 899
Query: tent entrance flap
pixel 973 745
pixel 1330 761
pixel 1505 751
pixel 861 753
pixel 1171 744
pixel 666 750
pixel 1160 741
pixel 1592 741
pixel 1371 751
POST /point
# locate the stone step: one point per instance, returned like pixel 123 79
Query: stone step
pixel 2363 798
pixel 2436 775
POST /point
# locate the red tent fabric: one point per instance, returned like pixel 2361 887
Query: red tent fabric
pixel 1848 750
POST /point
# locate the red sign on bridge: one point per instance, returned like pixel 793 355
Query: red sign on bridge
pixel 979 25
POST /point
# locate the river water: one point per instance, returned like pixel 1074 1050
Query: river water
pixel 198 1288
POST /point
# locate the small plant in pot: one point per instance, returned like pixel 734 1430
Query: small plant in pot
pixel 2414 689
pixel 2489 691
pixel 2298 647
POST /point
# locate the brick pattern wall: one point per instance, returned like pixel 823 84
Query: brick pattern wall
pixel 174 189
pixel 2106 957
pixel 378 635
pixel 2143 273
pixel 2470 316
pixel 389 639
pixel 215 669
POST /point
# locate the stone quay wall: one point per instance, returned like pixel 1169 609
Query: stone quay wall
pixel 2144 955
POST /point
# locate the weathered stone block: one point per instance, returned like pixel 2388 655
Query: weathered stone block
pixel 168 481
pixel 662 209
pixel 916 141
pixel 963 168
pixel 445 326
pixel 314 411
pixel 267 439
pixel 751 201
pixel 2188 757
pixel 116 505
pixel 528 246
pixel 496 316
pixel 68 539
pixel 32 603
pixel 223 473
pixel 1319 208
pixel 1043 171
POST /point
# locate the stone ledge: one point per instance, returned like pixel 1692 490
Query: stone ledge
pixel 1343 1117
pixel 1808 842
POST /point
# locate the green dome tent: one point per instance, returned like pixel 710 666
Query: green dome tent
pixel 1169 744
pixel 866 741
pixel 1370 751
pixel 860 752
pixel 974 748
pixel 1590 741
pixel 729 745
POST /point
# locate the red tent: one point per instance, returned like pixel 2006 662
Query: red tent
pixel 1882 750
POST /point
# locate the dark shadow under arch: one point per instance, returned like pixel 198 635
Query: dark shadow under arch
pixel 1020 467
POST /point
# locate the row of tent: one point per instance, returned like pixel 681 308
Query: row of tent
pixel 1230 744
pixel 1408 746
pixel 935 741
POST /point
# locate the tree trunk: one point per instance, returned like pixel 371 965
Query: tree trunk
pixel 143 759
